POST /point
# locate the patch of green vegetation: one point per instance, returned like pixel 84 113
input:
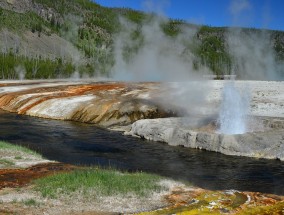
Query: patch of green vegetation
pixel 9 146
pixel 31 202
pixel 68 6
pixel 33 68
pixel 102 182
pixel 134 16
pixel 6 162
pixel 18 157
pixel 91 32
pixel 20 22
pixel 278 45
pixel 92 13
pixel 212 50
pixel 173 27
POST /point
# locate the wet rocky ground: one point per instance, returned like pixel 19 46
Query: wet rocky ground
pixel 102 103
pixel 18 197
pixel 200 201
pixel 12 178
pixel 265 142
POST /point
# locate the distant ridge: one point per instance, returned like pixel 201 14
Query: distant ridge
pixel 75 38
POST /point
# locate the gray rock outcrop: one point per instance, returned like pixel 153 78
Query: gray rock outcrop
pixel 263 144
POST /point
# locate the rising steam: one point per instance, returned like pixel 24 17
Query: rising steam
pixel 153 56
pixel 253 58
pixel 253 55
pixel 233 116
pixel 21 72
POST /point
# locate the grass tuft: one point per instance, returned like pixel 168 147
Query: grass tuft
pixel 18 157
pixel 9 146
pixel 31 202
pixel 100 182
pixel 6 162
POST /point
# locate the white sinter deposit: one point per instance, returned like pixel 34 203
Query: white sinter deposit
pixel 266 107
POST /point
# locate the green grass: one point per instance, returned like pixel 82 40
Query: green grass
pixel 6 162
pixel 31 202
pixel 8 146
pixel 18 157
pixel 97 181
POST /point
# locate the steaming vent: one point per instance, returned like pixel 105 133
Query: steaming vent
pixel 234 111
pixel 253 124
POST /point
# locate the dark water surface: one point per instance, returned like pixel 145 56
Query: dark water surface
pixel 84 144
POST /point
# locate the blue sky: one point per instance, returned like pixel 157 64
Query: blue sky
pixel 246 13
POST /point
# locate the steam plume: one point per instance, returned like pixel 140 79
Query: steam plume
pixel 154 56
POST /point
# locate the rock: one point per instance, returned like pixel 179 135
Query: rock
pixel 174 131
pixel 106 104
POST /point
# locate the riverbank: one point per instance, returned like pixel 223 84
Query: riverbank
pixel 49 187
pixel 13 157
pixel 65 189
pixel 265 143
pixel 102 103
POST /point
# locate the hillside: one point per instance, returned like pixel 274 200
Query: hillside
pixel 78 38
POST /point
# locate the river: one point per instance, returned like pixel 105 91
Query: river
pixel 85 144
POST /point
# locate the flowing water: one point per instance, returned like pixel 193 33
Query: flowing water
pixel 84 144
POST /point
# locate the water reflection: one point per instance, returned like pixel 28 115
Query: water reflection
pixel 84 144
